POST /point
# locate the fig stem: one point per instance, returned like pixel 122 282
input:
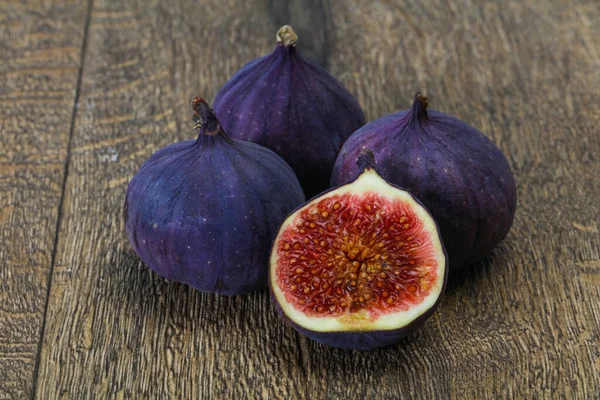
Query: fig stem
pixel 419 108
pixel 287 36
pixel 366 160
pixel 205 119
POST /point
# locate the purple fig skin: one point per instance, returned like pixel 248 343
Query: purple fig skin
pixel 292 106
pixel 204 212
pixel 458 173
pixel 365 340
pixel 360 340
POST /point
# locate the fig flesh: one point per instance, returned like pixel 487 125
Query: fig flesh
pixel 359 266
pixel 458 173
pixel 204 212
pixel 292 106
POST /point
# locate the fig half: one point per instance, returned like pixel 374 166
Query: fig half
pixel 359 266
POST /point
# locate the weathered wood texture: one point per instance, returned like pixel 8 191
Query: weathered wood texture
pixel 523 323
pixel 40 49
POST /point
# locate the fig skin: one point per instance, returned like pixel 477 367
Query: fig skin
pixel 458 173
pixel 365 339
pixel 292 106
pixel 204 212
pixel 360 340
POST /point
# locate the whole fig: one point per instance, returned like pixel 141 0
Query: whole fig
pixel 204 212
pixel 287 103
pixel 458 173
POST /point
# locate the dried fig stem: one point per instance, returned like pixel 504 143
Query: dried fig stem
pixel 287 36
pixel 419 108
pixel 206 120
pixel 366 160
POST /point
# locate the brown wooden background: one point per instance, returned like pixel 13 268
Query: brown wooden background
pixel 89 90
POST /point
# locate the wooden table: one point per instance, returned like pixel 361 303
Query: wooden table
pixel 89 90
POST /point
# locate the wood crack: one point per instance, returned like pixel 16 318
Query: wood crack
pixel 62 196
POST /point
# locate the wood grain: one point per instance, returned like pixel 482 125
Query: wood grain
pixel 523 323
pixel 40 44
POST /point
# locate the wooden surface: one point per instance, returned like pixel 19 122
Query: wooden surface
pixel 89 90
pixel 40 48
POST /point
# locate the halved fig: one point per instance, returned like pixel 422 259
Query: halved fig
pixel 359 266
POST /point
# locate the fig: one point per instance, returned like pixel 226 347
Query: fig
pixel 458 173
pixel 204 212
pixel 360 266
pixel 292 106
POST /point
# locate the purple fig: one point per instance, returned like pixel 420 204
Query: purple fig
pixel 458 173
pixel 204 212
pixel 292 106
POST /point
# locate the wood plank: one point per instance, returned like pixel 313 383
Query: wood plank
pixel 41 44
pixel 524 323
